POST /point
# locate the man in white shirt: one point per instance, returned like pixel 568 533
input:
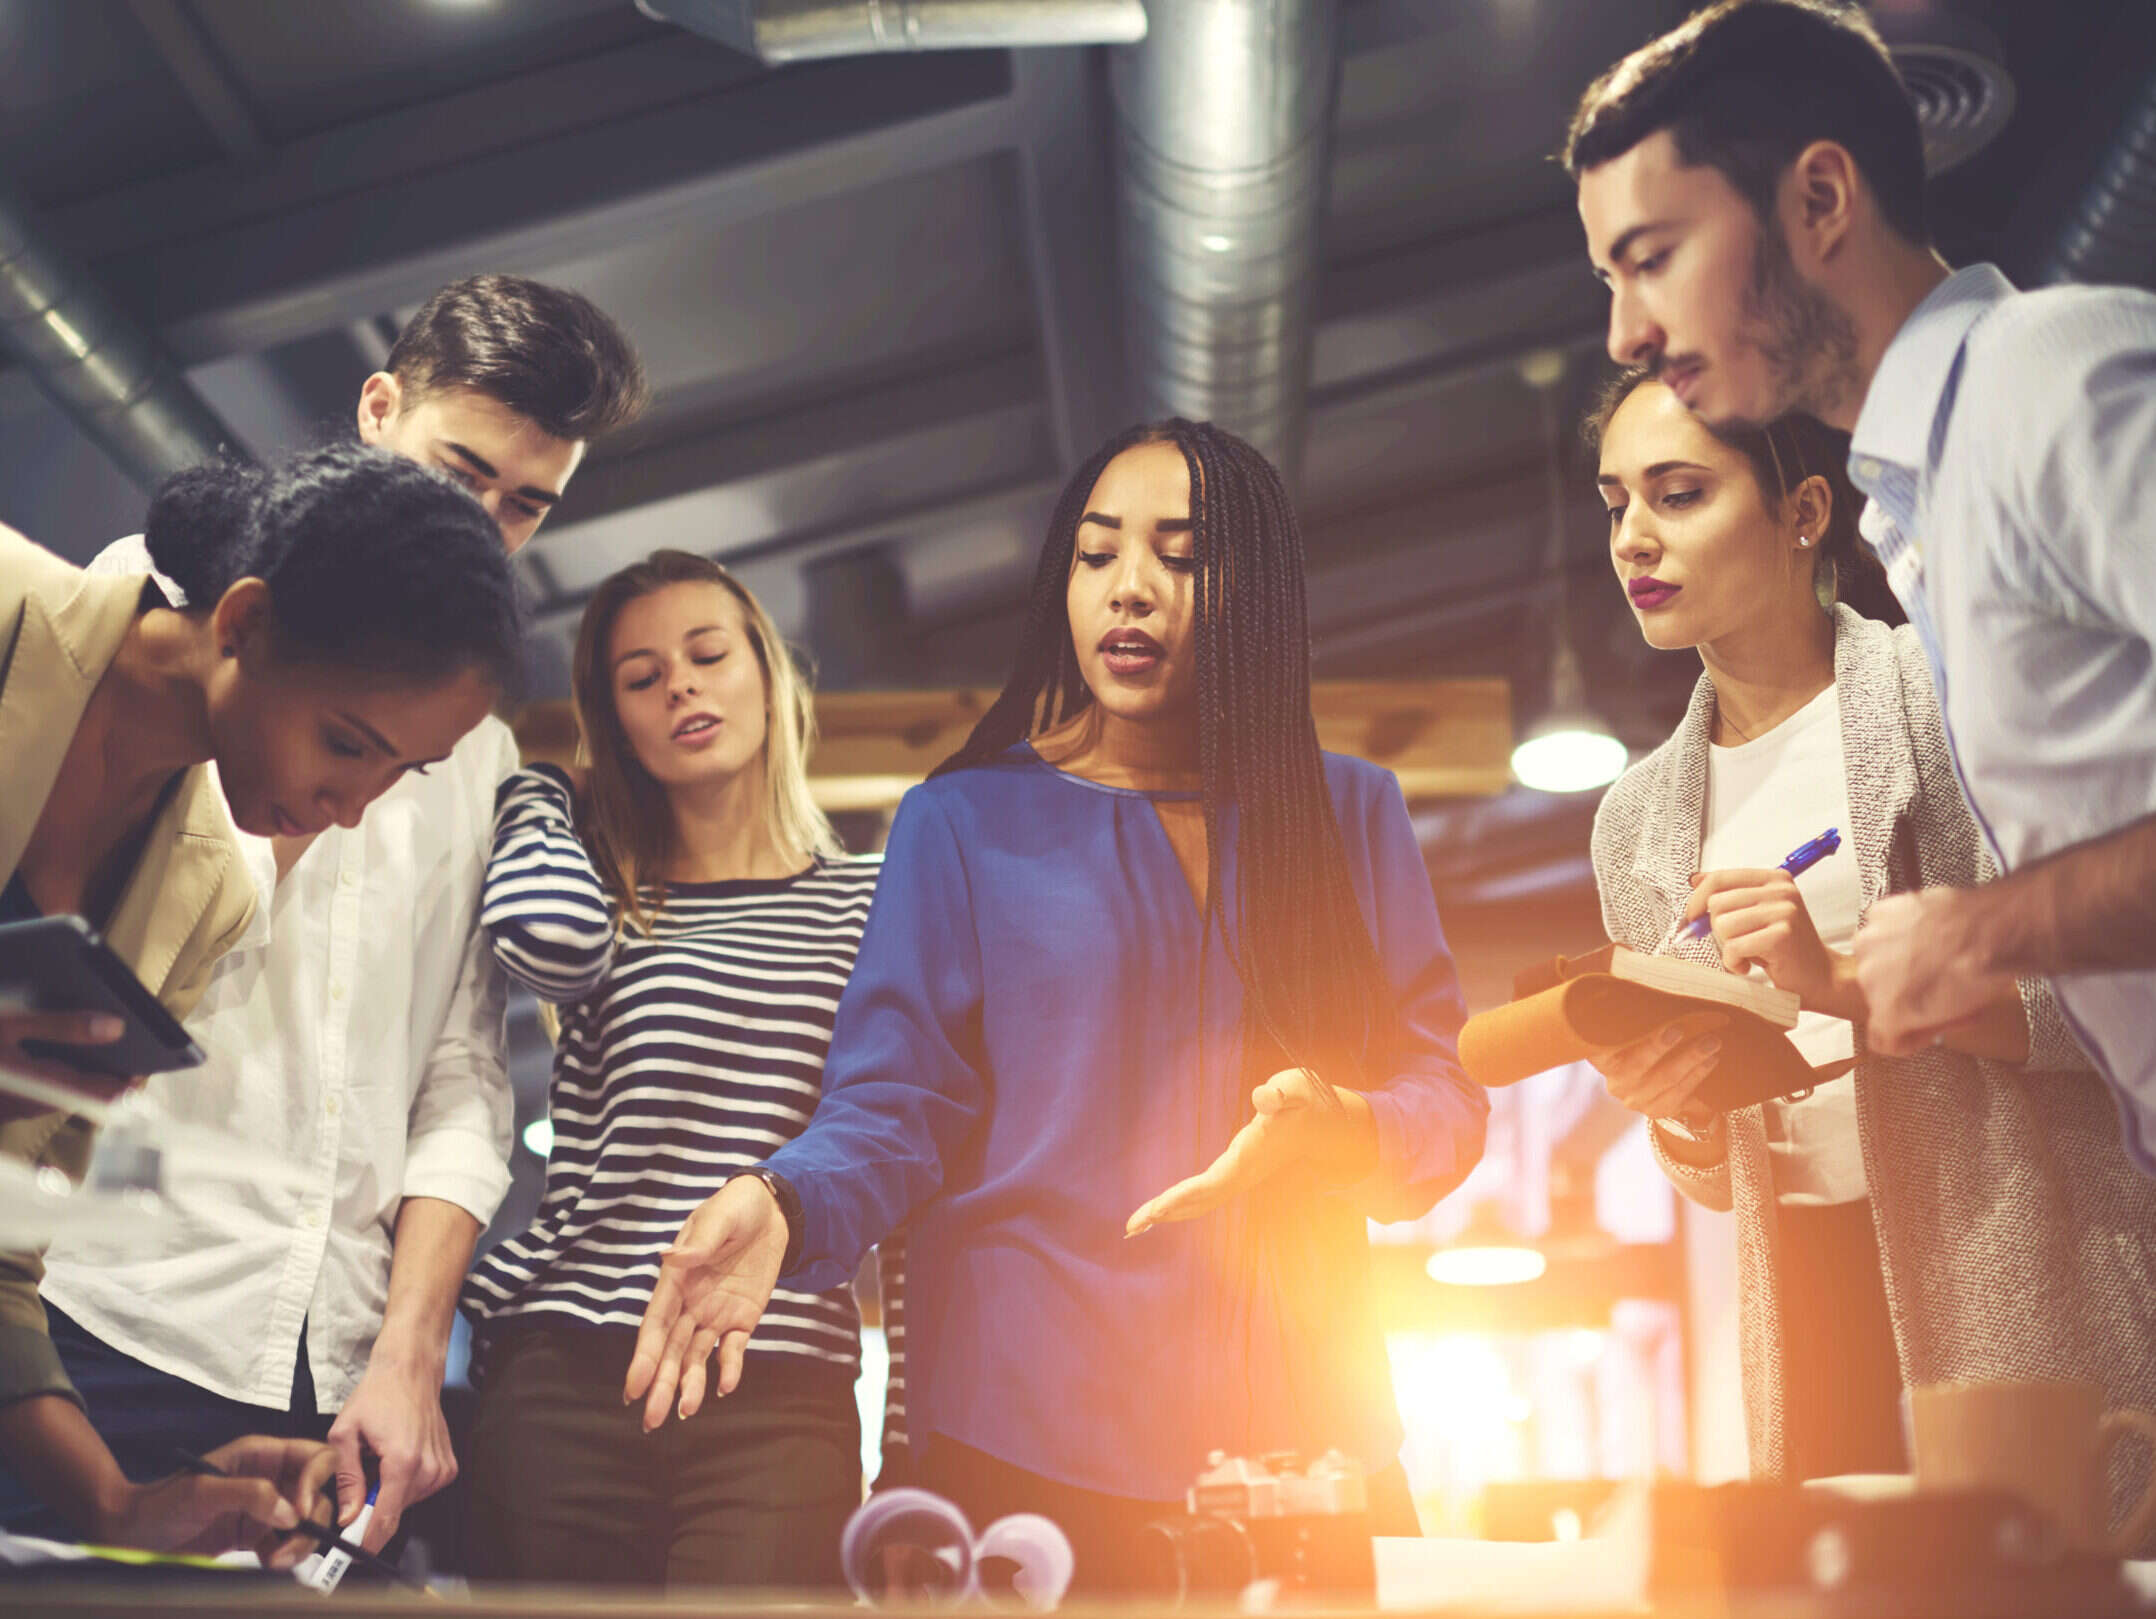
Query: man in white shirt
pixel 1752 186
pixel 357 1031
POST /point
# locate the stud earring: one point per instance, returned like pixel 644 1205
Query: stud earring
pixel 1806 543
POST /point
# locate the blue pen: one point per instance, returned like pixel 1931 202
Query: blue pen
pixel 1800 861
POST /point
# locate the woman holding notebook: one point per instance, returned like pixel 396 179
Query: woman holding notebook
pixel 1964 1213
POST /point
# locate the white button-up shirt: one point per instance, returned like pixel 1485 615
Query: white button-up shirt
pixel 356 1031
pixel 2009 446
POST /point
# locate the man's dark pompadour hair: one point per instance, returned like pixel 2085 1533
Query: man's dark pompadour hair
pixel 1743 86
pixel 546 353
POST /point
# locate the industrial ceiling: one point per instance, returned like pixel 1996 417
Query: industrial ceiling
pixel 883 307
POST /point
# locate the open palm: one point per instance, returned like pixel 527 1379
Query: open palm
pixel 1292 1123
pixel 713 1285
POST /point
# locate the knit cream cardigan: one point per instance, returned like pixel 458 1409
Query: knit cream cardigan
pixel 2016 1238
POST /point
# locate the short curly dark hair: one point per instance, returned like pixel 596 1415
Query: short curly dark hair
pixel 1743 86
pixel 374 563
pixel 547 353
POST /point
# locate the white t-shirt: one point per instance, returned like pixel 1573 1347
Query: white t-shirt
pixel 1766 797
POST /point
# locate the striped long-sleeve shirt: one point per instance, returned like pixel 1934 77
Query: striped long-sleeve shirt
pixel 684 1056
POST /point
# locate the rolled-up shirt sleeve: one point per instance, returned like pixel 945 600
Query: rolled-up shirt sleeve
pixel 459 1143
pixel 1430 1116
pixel 459 1137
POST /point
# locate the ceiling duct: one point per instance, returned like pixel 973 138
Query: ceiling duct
pixel 1962 100
pixel 1956 74
pixel 777 31
pixel 2112 235
pixel 93 361
pixel 1223 125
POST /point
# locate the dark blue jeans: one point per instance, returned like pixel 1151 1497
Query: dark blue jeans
pixel 147 1416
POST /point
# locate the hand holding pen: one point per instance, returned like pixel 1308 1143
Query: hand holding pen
pixel 285 1547
pixel 247 1499
pixel 1758 916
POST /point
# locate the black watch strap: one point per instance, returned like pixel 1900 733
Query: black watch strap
pixel 789 1202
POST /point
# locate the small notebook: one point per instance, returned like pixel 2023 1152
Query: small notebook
pixel 1576 1006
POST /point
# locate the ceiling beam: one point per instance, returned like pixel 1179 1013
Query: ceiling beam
pixel 606 87
pixel 1429 309
pixel 816 484
pixel 848 416
pixel 204 76
pixel 344 241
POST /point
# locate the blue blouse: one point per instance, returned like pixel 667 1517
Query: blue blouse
pixel 1036 1040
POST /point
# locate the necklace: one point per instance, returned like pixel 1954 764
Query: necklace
pixel 1729 724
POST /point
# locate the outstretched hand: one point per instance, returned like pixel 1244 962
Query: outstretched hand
pixel 1293 1123
pixel 713 1285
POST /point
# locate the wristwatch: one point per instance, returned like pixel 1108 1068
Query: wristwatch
pixel 1699 1131
pixel 789 1202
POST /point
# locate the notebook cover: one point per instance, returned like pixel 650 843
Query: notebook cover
pixel 1577 1014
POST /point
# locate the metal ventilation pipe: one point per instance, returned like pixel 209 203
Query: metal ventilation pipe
pixel 2112 235
pixel 1223 131
pixel 94 362
pixel 778 31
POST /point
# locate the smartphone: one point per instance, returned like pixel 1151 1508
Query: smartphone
pixel 60 964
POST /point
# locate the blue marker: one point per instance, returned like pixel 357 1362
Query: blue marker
pixel 1799 862
pixel 326 1567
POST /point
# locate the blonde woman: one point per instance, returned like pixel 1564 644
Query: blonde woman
pixel 687 908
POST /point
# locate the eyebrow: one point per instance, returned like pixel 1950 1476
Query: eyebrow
pixel 1167 525
pixel 367 731
pixel 485 469
pixel 1624 242
pixel 1659 469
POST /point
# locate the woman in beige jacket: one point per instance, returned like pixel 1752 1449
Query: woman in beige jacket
pixel 1965 1213
pixel 361 619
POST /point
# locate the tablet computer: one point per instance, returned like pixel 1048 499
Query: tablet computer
pixel 60 964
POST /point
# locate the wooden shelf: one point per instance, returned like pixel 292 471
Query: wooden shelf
pixel 1440 737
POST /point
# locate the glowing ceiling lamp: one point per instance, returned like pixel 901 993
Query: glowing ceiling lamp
pixel 1570 749
pixel 1486 1254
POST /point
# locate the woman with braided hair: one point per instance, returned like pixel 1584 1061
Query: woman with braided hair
pixel 1152 1012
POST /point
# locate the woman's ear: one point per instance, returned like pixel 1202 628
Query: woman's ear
pixel 1812 503
pixel 240 621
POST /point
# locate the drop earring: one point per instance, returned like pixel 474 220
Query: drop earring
pixel 1827 584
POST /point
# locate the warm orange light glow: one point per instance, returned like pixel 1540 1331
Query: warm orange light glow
pixel 1486 1266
